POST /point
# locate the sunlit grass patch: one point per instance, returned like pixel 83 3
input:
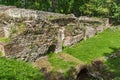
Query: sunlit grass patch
pixel 59 63
pixel 98 46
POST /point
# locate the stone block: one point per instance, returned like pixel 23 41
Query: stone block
pixel 11 49
pixel 90 32
pixel 70 40
pixel 2 33
pixel 2 48
pixel 99 29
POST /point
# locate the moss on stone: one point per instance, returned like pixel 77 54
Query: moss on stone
pixel 4 40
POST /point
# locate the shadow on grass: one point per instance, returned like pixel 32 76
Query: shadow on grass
pixel 113 63
pixel 114 50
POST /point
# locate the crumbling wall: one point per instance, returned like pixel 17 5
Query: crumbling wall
pixel 33 42
pixel 76 29
pixel 36 33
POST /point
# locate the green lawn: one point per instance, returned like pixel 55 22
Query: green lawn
pixel 101 45
pixel 17 70
pixel 59 63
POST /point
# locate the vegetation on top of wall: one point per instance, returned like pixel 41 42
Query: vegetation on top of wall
pixel 18 28
pixel 100 8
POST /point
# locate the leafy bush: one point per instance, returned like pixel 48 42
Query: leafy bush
pixel 18 70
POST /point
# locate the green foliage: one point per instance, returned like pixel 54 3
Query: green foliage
pixel 64 6
pixel 59 63
pixel 18 70
pixel 5 40
pixel 96 47
pixel 112 65
pixel 101 8
pixel 17 28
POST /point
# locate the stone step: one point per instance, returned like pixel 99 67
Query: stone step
pixel 43 64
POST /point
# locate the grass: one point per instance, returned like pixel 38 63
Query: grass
pixel 114 67
pixel 17 70
pixel 5 40
pixel 98 46
pixel 59 63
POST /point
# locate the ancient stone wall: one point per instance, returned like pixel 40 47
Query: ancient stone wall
pixel 36 33
pixel 5 8
pixel 28 13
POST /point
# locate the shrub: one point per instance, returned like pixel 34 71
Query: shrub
pixel 11 69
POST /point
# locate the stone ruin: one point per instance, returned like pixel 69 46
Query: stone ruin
pixel 35 33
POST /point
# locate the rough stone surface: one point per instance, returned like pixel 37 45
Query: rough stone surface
pixel 2 33
pixel 5 8
pixel 90 32
pixel 2 48
pixel 33 42
pixel 68 41
pixel 7 31
pixel 99 29
pixel 35 33
pixel 98 70
pixel 43 63
pixel 72 40
pixel 59 44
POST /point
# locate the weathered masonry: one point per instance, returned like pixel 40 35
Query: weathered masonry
pixel 35 33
